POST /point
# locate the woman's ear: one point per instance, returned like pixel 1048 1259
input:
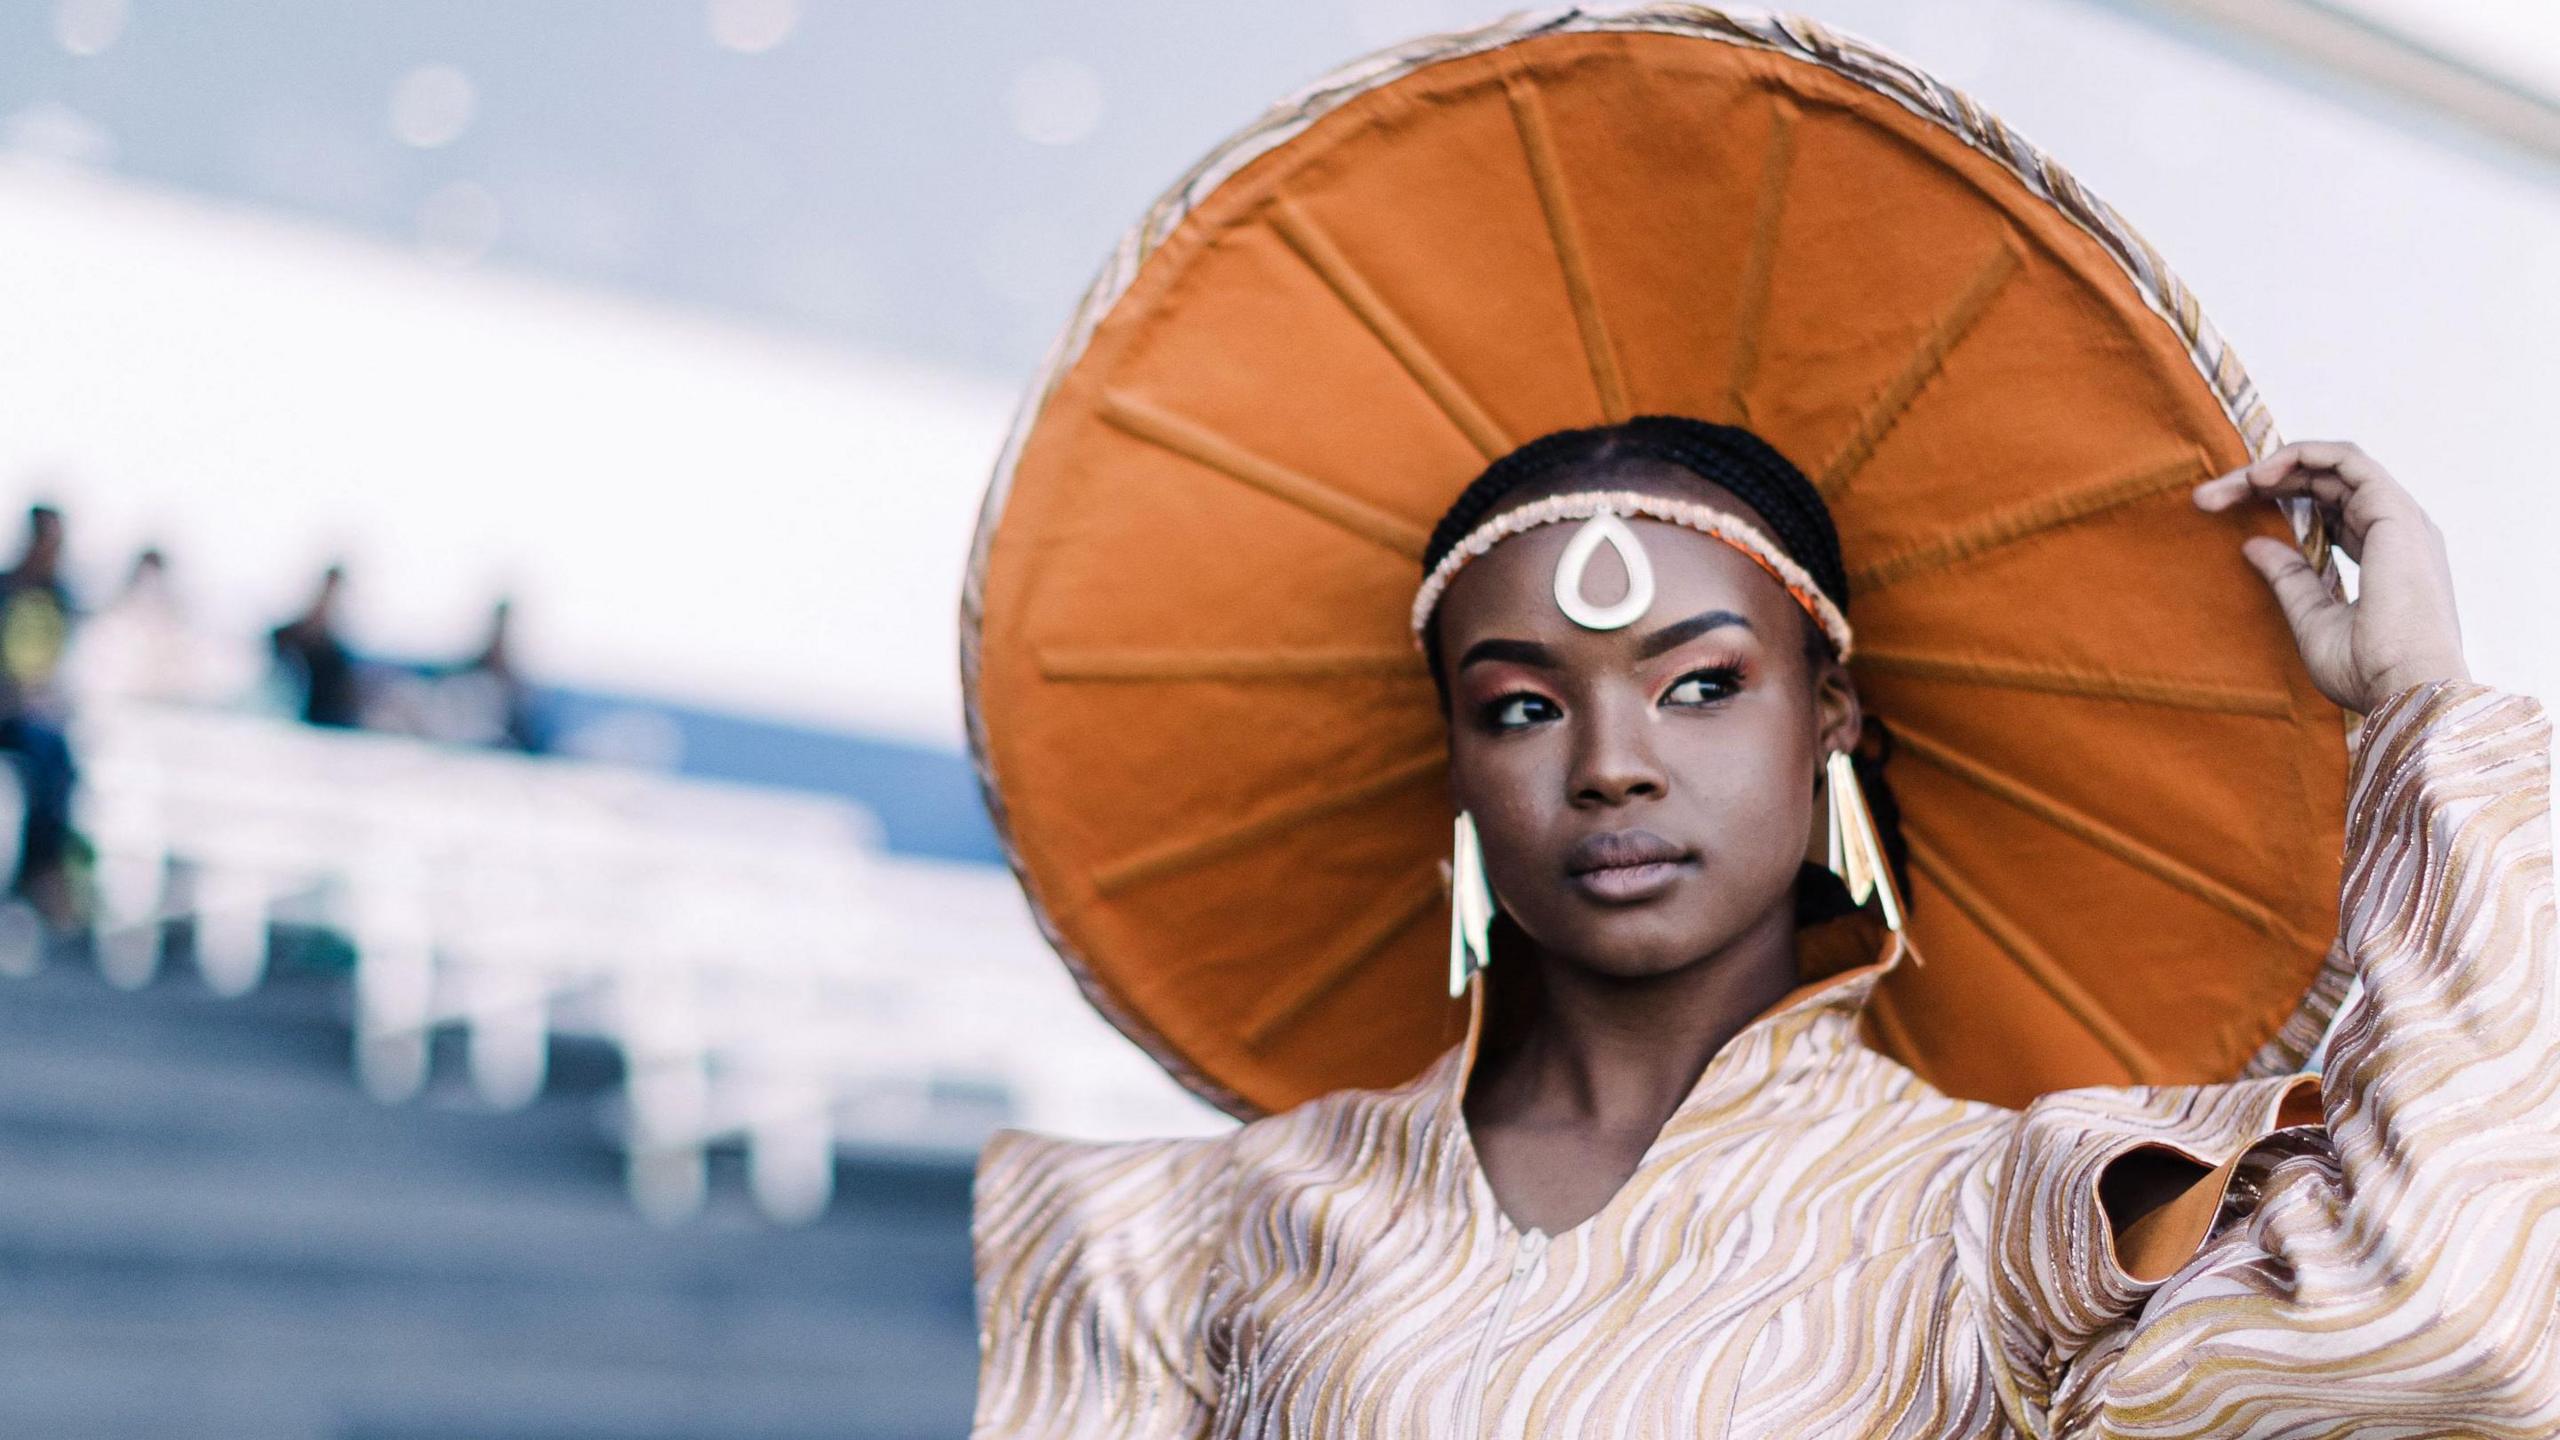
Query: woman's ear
pixel 1838 717
pixel 1837 720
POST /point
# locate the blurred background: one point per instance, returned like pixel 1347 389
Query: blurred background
pixel 506 941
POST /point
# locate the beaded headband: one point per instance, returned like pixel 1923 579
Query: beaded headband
pixel 1588 504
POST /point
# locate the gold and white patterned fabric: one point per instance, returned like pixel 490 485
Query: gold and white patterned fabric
pixel 1821 1245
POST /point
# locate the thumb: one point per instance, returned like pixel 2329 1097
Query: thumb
pixel 2300 591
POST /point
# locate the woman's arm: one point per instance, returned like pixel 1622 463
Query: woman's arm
pixel 1093 1263
pixel 2398 1269
pixel 2400 1266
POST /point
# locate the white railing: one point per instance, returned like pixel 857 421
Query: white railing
pixel 771 976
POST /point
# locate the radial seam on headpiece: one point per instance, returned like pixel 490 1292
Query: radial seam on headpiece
pixel 1722 525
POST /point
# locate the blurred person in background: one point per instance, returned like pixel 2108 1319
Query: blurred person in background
pixel 36 613
pixel 315 660
pixel 484 700
pixel 36 619
pixel 144 645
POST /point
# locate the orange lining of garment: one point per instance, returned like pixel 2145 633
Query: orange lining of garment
pixel 2159 1244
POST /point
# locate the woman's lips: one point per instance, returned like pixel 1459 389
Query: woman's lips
pixel 1620 867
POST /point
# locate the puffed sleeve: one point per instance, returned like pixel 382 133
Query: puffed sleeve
pixel 1094 1264
pixel 2372 1252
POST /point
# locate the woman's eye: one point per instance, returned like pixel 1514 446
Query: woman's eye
pixel 1513 711
pixel 1704 687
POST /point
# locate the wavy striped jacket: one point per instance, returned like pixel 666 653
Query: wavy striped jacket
pixel 1819 1244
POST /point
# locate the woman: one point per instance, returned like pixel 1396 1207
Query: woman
pixel 1678 1178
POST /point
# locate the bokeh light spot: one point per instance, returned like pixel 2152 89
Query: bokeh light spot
pixel 432 105
pixel 751 27
pixel 1056 101
pixel 88 27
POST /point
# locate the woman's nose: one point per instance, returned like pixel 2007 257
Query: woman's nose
pixel 1614 762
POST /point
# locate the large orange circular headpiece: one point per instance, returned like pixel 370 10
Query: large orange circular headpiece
pixel 1218 761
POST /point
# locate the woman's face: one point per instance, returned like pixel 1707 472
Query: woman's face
pixel 1644 795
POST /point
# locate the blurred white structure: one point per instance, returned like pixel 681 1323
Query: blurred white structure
pixel 688 507
pixel 679 507
pixel 770 976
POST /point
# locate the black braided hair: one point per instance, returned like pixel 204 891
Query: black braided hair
pixel 1727 455
pixel 1780 497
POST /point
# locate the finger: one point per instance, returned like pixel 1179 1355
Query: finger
pixel 2224 491
pixel 2345 532
pixel 2325 490
pixel 2303 468
pixel 2342 457
pixel 2337 474
pixel 2287 473
pixel 2353 493
pixel 2300 592
pixel 2360 496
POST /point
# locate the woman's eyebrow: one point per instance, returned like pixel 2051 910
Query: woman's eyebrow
pixel 1524 652
pixel 1672 637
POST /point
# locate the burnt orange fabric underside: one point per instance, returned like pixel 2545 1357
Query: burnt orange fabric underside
pixel 1221 763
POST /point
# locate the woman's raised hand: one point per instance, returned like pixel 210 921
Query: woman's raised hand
pixel 2401 629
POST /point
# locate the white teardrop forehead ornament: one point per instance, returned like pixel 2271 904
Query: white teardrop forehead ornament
pixel 1574 567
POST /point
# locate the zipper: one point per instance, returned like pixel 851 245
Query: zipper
pixel 1524 1267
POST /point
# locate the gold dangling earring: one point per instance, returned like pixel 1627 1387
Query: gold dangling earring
pixel 1470 908
pixel 1857 851
pixel 1832 771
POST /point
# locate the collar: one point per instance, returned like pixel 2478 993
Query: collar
pixel 1840 962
